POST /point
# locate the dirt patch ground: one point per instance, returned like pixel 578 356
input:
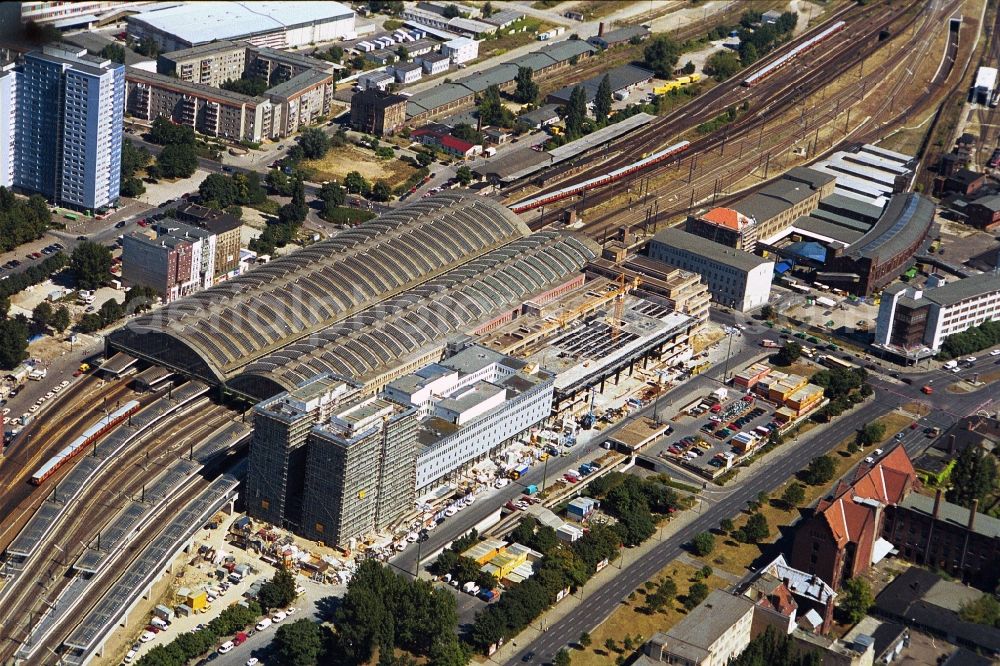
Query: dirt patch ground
pixel 706 338
pixel 634 620
pixel 919 408
pixel 342 160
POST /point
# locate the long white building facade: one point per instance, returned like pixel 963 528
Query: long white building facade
pixel 470 405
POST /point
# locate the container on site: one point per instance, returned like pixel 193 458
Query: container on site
pixel 518 472
pixel 531 490
pixel 489 595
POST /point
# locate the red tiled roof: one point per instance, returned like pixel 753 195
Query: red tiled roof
pixel 887 482
pixel 727 217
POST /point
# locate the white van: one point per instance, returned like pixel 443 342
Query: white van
pixel 130 656
pixel 226 647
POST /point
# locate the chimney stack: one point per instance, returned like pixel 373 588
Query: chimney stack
pixel 952 444
pixel 937 503
pixel 600 29
pixel 972 514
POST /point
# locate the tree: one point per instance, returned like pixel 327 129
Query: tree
pixel 585 639
pixel 300 643
pixel 250 86
pixel 13 341
pixel 332 195
pixel 89 323
pixel 821 470
pixel 777 648
pixel 451 11
pixel 491 108
pixel 856 598
pixel 403 54
pixel 722 64
pixel 726 525
pixel 563 658
pixel 748 54
pixel 794 494
pixel 314 142
pixel 665 592
pixel 131 187
pixel 60 319
pixel 177 161
pixel 756 529
pixel 689 68
pixel 872 433
pixel 279 591
pixel 703 543
pixel 165 132
pixel 488 9
pixel 973 477
pixel 466 132
pixel 464 175
pixel 661 55
pixel 526 91
pixel 148 47
pixel 697 593
pixel 91 263
pixel 381 191
pixel 114 52
pixel 41 316
pixel 768 312
pixel 298 202
pixel 788 354
pixel 602 101
pixel 984 610
pixel 110 312
pixel 355 183
pixel 576 111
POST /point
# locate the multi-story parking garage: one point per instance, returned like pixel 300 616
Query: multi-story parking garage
pixel 386 294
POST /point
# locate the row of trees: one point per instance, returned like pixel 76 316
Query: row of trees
pixel 971 340
pixel 22 220
pixel 133 159
pixel 14 331
pixel 844 388
pixel 220 191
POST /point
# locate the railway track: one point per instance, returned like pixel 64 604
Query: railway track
pixel 91 511
pixel 56 429
pixel 716 171
pixel 669 128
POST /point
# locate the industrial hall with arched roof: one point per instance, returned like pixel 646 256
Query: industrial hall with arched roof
pixel 385 294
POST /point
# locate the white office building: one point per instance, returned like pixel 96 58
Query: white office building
pixel 911 319
pixel 470 404
pixel 8 123
pixel 735 278
pixel 461 49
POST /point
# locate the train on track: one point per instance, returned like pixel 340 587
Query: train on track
pixel 89 436
pixel 770 68
pixel 604 179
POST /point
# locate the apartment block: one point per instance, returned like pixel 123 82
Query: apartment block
pixel 359 470
pixel 173 258
pixel 911 318
pixel 712 634
pixel 226 229
pixel 8 123
pixel 68 127
pixel 277 465
pixel 735 278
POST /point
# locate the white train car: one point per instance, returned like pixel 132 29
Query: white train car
pixel 770 68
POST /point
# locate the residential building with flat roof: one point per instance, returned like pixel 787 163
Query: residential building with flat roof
pixel 274 24
pixel 8 123
pixel 173 258
pixel 68 136
pixel 735 278
pixel 461 49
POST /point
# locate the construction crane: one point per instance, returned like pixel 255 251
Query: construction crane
pixel 624 287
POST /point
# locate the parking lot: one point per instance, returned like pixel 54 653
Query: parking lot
pixel 705 441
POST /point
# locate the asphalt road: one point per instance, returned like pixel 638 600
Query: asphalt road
pixel 791 458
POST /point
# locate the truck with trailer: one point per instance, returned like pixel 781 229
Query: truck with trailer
pixel 518 472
